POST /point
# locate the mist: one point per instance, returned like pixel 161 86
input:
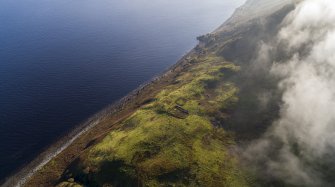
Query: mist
pixel 299 146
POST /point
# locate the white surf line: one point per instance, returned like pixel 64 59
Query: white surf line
pixel 10 182
pixel 107 111
pixel 51 156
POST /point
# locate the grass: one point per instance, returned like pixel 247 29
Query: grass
pixel 163 145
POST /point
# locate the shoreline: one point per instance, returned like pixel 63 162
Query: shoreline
pixel 24 174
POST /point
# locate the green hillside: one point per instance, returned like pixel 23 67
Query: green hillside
pixel 171 140
pixel 182 130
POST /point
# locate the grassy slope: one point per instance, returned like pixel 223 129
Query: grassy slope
pixel 159 145
pixel 150 142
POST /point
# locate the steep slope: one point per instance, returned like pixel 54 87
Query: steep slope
pixel 171 140
pixel 185 135
pixel 183 129
pixel 252 10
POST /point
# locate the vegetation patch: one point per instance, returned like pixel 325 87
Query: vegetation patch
pixel 170 140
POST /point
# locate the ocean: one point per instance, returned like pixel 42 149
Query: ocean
pixel 61 61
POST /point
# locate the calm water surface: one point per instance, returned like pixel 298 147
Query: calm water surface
pixel 63 60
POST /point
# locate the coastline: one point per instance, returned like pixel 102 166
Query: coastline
pixel 80 135
pixel 96 126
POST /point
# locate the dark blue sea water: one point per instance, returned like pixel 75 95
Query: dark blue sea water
pixel 63 60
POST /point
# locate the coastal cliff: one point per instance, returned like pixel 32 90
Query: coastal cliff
pixel 183 128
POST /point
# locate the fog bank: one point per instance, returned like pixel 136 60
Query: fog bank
pixel 299 146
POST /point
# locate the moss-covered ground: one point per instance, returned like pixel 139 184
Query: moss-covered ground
pixel 171 140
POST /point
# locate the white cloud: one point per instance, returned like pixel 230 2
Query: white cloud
pixel 307 117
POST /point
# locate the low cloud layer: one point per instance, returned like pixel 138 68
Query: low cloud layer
pixel 300 145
